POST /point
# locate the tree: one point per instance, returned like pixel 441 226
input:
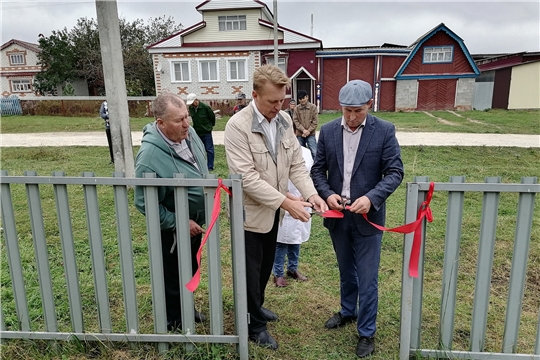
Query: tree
pixel 57 60
pixel 67 56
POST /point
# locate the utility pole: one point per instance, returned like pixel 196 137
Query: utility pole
pixel 115 85
pixel 275 35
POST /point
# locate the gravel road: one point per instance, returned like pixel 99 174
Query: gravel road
pixel 404 138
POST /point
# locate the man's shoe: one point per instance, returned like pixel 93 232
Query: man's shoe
pixel 296 275
pixel 174 326
pixel 268 314
pixel 365 347
pixel 338 320
pixel 264 339
pixel 199 317
pixel 280 281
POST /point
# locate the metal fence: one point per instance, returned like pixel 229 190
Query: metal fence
pixel 35 316
pixel 448 298
pixel 10 105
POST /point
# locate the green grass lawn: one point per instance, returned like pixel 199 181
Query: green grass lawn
pixel 492 121
pixel 303 307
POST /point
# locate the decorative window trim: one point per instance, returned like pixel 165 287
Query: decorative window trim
pixel 444 54
pixel 282 62
pixel 200 69
pixel 20 85
pixel 173 71
pixel 232 23
pixel 229 77
pixel 16 53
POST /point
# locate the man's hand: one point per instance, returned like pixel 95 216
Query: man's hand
pixel 195 229
pixel 334 202
pixel 305 133
pixel 361 205
pixel 297 209
pixel 318 203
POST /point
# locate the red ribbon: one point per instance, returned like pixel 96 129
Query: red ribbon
pixel 196 279
pixel 423 212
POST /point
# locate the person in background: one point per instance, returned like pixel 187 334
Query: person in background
pixel 306 119
pixel 104 113
pixel 358 164
pixel 290 109
pixel 169 146
pixel 260 145
pixel 204 120
pixel 240 103
pixel 291 234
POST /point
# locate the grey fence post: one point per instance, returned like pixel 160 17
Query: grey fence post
pixel 125 249
pixel 68 252
pixel 486 247
pixel 214 265
pixel 93 222
pixel 454 216
pixel 239 265
pixel 41 253
pixel 14 257
pixel 156 261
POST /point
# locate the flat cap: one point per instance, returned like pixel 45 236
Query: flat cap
pixel 355 93
pixel 240 96
pixel 301 94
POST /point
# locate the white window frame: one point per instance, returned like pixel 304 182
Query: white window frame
pixel 231 67
pixel 282 62
pixel 202 63
pixel 173 71
pixel 15 56
pixel 438 54
pixel 232 23
pixel 21 85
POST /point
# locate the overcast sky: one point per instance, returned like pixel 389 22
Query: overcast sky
pixel 485 26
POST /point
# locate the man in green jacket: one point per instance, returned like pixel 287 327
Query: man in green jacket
pixel 169 146
pixel 204 120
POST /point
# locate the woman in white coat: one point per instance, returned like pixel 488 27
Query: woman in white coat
pixel 291 234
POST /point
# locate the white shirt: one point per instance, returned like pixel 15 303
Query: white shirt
pixel 351 139
pixel 269 127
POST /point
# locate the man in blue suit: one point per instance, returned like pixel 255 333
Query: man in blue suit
pixel 358 164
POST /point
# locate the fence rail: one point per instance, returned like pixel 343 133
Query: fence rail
pixel 412 289
pixel 28 322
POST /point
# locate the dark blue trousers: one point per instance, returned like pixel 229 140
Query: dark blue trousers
pixel 208 142
pixel 358 258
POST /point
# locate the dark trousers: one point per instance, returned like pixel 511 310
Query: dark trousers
pixel 358 258
pixel 172 276
pixel 260 252
pixel 109 140
pixel 208 142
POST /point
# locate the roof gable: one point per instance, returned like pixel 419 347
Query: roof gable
pixel 196 36
pixel 24 44
pixel 419 43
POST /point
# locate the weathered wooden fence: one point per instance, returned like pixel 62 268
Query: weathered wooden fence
pixel 413 298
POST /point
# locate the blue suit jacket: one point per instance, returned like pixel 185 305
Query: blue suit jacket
pixel 377 171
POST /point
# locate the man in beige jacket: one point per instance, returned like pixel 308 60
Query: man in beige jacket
pixel 261 146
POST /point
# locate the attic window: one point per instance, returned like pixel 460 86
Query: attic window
pixel 231 23
pixel 17 58
pixel 439 54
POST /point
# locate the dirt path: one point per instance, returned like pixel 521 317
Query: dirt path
pixel 405 139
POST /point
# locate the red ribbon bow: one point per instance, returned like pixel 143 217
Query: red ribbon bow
pixel 196 279
pixel 423 212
